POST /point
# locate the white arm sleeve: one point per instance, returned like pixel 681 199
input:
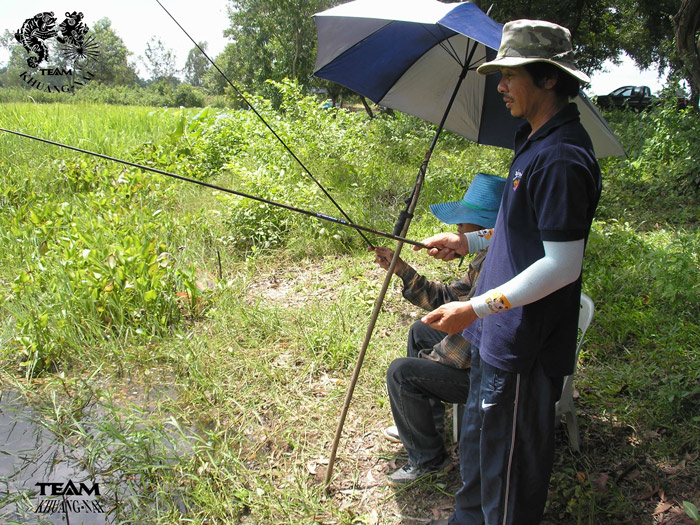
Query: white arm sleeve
pixel 560 266
pixel 479 240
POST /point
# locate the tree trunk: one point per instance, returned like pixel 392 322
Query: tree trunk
pixel 297 53
pixel 687 26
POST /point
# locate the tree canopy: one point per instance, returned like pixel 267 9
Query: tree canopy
pixel 160 61
pixel 273 39
pixel 197 65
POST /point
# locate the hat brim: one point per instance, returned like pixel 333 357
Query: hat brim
pixel 457 212
pixel 495 66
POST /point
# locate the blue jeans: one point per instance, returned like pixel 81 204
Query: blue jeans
pixel 417 389
pixel 506 448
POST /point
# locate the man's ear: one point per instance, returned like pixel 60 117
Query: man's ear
pixel 550 82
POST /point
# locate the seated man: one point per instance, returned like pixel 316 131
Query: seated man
pixel 436 368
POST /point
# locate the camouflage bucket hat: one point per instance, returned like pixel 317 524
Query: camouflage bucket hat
pixel 527 41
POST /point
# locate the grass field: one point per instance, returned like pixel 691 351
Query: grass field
pixel 192 349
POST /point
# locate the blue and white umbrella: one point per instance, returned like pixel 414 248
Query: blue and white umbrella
pixel 408 54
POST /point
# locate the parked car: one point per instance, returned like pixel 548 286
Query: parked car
pixel 636 98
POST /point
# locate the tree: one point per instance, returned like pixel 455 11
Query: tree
pixel 687 31
pixel 197 65
pixel 273 39
pixel 212 81
pixel 9 75
pixel 160 61
pixel 113 67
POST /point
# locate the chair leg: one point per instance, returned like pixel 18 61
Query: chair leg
pixel 572 428
pixel 457 416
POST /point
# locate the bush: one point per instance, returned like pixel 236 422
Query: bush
pixel 155 95
pixel 661 176
pixel 97 267
pixel 188 97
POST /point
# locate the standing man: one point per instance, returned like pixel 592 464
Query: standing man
pixel 522 323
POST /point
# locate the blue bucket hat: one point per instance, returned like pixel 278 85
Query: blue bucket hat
pixel 479 205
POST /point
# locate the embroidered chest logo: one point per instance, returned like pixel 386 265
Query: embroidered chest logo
pixel 516 179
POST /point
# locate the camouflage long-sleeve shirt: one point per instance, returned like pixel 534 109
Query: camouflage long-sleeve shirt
pixel 453 350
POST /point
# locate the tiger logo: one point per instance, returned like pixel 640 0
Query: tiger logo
pixel 74 43
pixel 32 34
pixel 72 30
pixel 76 46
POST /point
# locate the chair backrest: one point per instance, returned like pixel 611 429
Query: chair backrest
pixel 585 317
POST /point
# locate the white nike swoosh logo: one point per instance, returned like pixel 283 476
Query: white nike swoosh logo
pixel 485 405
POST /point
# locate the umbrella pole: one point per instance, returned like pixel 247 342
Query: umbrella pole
pixel 402 224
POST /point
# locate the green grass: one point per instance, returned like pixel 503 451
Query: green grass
pixel 203 397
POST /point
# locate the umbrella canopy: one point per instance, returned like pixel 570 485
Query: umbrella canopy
pixel 408 55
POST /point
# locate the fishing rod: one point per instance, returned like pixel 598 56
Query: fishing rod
pixel 321 216
pixel 269 127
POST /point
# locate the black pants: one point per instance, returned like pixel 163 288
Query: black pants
pixel 417 389
pixel 506 447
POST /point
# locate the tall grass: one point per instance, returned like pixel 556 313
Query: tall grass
pixel 89 250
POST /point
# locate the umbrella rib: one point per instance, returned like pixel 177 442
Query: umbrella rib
pixel 451 51
pixel 474 65
pixel 446 42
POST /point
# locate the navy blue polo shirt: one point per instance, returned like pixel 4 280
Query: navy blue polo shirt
pixel 552 192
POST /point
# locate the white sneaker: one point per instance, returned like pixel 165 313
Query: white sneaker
pixel 409 473
pixel 392 434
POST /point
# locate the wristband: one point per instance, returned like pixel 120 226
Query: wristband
pixel 497 302
pixel 492 302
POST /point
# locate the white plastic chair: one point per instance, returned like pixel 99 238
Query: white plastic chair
pixel 565 405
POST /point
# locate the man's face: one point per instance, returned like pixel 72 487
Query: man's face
pixel 465 227
pixel 522 97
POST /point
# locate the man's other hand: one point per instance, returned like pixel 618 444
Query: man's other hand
pixel 383 257
pixel 451 317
